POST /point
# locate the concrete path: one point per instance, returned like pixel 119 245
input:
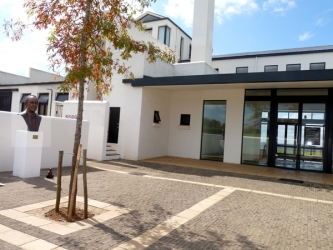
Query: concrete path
pixel 147 205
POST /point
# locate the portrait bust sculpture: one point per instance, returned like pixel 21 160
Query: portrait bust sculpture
pixel 29 115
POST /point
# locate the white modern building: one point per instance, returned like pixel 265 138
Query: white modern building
pixel 15 88
pixel 267 108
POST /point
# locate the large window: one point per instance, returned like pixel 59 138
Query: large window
pixel 256 132
pixel 164 35
pixel 213 130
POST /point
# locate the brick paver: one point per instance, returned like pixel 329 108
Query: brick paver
pixel 243 220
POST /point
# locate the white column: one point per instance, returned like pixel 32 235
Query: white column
pixel 203 26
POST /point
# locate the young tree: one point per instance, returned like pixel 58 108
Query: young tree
pixel 79 31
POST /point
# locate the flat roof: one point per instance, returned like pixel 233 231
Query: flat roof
pixel 257 77
pixel 281 52
pixel 30 83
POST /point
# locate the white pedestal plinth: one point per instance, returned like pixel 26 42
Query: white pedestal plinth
pixel 28 154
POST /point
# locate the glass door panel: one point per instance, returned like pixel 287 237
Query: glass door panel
pixel 287 134
pixel 213 127
pixel 256 132
pixel 312 136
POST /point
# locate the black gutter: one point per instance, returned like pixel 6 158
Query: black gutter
pixel 260 77
pixel 27 84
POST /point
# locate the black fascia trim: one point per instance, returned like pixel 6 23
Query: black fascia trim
pixel 260 77
pixel 8 90
pixel 27 84
pixel 166 18
pixel 221 57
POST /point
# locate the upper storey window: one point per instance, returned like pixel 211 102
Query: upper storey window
pixel 293 67
pixel 149 31
pixel 242 70
pixel 164 35
pixel 317 66
pixel 271 68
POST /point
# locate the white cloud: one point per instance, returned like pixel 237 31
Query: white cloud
pixel 223 9
pixel 280 6
pixel 305 36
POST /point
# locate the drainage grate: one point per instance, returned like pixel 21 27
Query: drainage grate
pixel 137 173
pixel 291 180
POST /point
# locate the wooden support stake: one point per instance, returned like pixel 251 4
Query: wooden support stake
pixel 85 183
pixel 71 202
pixel 59 174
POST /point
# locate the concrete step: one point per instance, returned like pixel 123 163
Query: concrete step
pixel 112 157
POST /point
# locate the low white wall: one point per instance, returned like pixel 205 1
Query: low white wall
pixel 97 113
pixel 58 135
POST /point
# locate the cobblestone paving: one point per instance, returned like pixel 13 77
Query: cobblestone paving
pixel 243 220
pixel 252 221
pixel 306 189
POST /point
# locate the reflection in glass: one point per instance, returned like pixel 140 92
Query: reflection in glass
pixel 286 148
pixel 255 133
pixel 312 137
pixel 213 130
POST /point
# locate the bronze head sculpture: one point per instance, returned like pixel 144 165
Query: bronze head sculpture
pixel 29 115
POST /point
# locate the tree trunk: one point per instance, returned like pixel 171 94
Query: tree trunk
pixel 77 138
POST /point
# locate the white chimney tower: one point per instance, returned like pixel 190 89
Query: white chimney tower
pixel 203 25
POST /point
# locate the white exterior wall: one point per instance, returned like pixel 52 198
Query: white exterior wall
pixel 58 135
pixel 153 141
pixel 186 142
pixel 175 37
pixel 97 113
pixel 35 76
pixel 34 90
pixel 257 64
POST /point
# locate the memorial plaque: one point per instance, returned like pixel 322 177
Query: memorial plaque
pixel 312 136
pixel 35 137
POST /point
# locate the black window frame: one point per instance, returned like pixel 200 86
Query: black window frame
pixel 185 120
pixel 167 43
pixel 266 66
pixel 23 100
pixel 241 68
pixel 43 105
pixel 157 118
pixel 59 95
pixel 293 65
pixel 318 63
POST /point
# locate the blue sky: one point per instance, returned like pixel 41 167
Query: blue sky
pixel 240 26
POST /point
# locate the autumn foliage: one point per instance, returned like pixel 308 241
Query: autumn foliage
pixel 79 32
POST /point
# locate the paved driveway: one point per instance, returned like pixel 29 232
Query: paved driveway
pixel 172 207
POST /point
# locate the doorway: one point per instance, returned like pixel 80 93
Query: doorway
pixel 300 140
pixel 113 125
pixel 213 130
